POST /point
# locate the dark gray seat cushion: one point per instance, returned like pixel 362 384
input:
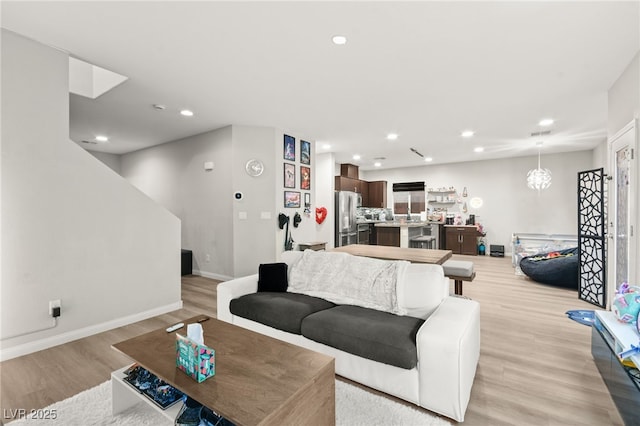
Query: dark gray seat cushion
pixel 283 311
pixel 368 333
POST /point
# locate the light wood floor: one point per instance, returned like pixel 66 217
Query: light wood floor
pixel 535 364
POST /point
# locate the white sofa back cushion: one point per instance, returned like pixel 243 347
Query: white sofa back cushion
pixel 348 280
pixel 420 289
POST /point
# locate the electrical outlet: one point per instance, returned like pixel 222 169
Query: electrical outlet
pixel 207 258
pixel 54 304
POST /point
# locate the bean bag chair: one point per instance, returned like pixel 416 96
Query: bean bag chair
pixel 558 268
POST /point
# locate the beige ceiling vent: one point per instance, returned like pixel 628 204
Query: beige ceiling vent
pixel 541 133
pixel 90 142
pixel 90 80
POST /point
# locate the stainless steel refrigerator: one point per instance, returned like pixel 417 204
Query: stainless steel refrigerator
pixel 346 226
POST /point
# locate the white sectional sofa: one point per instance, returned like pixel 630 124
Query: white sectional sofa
pixel 447 341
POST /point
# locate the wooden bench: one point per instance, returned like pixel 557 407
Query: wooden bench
pixel 459 271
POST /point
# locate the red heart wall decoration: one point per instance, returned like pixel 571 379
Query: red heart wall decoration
pixel 321 214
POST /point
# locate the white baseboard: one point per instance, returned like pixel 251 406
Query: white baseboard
pixel 68 336
pixel 212 275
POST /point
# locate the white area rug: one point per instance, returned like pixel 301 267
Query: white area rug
pixel 354 407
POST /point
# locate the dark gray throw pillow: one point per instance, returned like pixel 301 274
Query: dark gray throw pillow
pixel 273 277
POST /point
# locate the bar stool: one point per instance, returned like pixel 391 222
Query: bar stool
pixel 423 241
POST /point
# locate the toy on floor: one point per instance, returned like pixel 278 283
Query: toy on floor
pixel 582 316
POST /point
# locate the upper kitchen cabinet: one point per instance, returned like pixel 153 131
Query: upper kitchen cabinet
pixel 374 194
pixel 377 194
pixel 348 184
pixel 343 183
pixel 350 171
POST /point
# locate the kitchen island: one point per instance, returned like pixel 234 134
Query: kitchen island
pixel 398 233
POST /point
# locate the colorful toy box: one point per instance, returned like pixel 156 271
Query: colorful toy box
pixel 197 361
pixel 626 303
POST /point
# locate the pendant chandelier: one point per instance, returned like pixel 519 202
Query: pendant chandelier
pixel 539 178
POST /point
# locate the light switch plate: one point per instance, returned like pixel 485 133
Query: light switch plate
pixel 242 215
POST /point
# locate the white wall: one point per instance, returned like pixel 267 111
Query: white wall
pixel 509 205
pixel 110 160
pixel 600 156
pixel 253 238
pixel 624 98
pixel 72 229
pixel 306 230
pixel 624 107
pixel 326 169
pixel 173 175
pixel 237 235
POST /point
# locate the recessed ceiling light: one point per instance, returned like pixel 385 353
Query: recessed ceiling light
pixel 377 164
pixel 339 40
pixel 467 133
pixel 392 136
pixel 326 146
pixel 356 157
pixel 546 122
pixel 428 159
pixel 478 149
pixel 101 138
pixel 186 113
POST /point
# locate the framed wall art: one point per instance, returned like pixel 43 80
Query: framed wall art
pixel 305 177
pixel 305 152
pixel 289 175
pixel 292 199
pixel 289 148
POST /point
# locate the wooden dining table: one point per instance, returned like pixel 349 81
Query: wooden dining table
pixel 415 255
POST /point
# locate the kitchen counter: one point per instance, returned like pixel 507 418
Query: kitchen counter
pixel 398 233
pixel 467 228
pixel 397 224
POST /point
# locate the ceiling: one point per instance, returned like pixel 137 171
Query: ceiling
pixel 424 70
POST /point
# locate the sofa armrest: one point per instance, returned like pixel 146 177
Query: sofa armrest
pixel 448 346
pixel 232 289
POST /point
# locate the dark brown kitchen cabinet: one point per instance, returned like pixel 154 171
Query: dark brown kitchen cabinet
pixel 377 194
pixel 462 239
pixel 388 236
pixel 363 189
pixel 349 170
pixel 344 183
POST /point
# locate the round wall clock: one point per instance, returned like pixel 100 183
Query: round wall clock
pixel 254 167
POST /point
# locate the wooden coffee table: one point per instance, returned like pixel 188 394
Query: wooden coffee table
pixel 259 380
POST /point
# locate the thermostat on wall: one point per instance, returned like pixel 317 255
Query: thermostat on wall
pixel 238 195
